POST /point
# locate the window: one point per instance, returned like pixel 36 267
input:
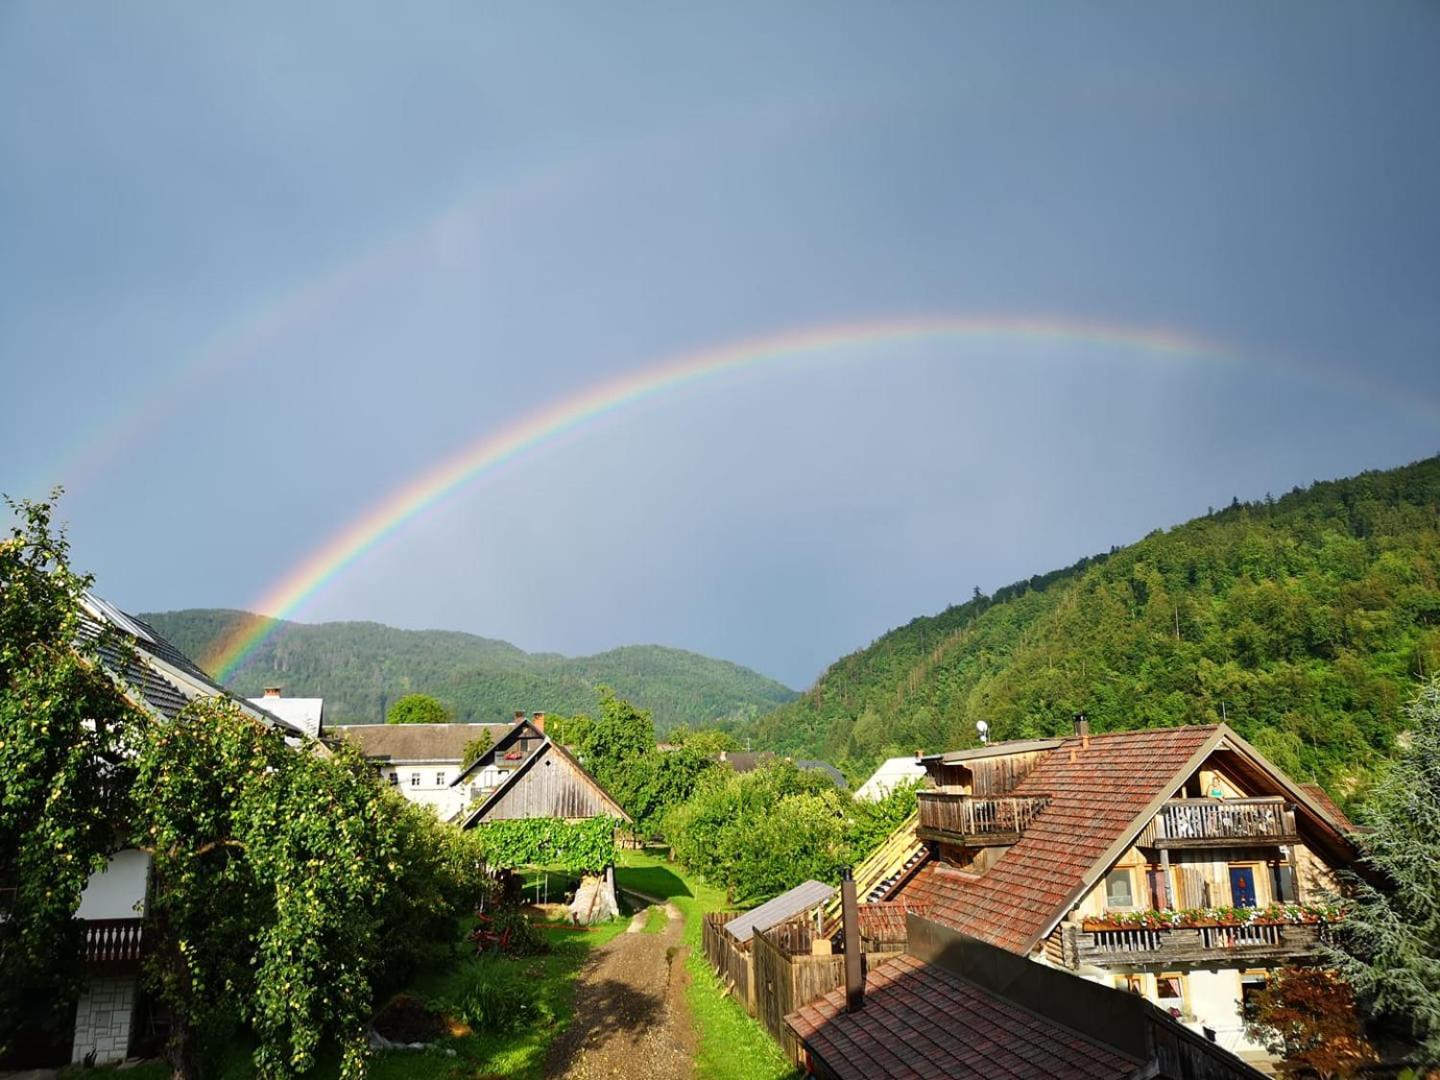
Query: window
pixel 1284 883
pixel 414 779
pixel 1118 890
pixel 1134 984
pixel 1170 993
pixel 439 779
pixel 1251 983
pixel 394 779
pixel 1158 893
pixel 1242 887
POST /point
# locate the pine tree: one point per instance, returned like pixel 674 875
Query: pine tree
pixel 1390 950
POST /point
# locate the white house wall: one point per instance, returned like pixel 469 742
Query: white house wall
pixel 118 891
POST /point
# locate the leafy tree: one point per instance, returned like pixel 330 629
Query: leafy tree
pixel 475 749
pixel 1391 938
pixel 620 733
pixel 707 741
pixel 418 709
pixel 569 730
pixel 63 725
pixel 1308 1017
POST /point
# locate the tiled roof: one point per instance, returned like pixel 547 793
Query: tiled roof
pixel 416 742
pixel 802 898
pixel 165 678
pixel 1322 799
pixel 1094 802
pixel 922 1021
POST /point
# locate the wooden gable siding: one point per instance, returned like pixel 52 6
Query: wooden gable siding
pixel 990 776
pixel 551 787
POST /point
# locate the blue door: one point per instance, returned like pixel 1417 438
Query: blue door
pixel 1242 886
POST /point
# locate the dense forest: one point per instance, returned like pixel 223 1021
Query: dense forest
pixel 360 667
pixel 1303 621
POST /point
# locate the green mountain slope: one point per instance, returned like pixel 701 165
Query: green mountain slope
pixel 360 667
pixel 1302 621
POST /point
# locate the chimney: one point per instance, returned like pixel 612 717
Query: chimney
pixel 1082 730
pixel 272 691
pixel 538 719
pixel 850 922
pixel 519 715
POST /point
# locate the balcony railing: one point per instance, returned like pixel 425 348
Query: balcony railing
pixel 977 822
pixel 114 945
pixel 1228 945
pixel 1194 823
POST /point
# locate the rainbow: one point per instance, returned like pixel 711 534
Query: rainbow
pixel 494 449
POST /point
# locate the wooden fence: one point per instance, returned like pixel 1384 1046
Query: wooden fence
pixel 731 961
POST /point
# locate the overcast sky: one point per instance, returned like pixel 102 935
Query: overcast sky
pixel 262 264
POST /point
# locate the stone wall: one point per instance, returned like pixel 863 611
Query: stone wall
pixel 102 1019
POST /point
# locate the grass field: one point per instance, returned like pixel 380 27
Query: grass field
pixel 731 1045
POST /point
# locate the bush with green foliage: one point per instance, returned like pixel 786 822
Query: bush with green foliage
pixel 762 832
pixel 66 777
pixel 584 846
pixel 284 881
pixel 418 709
pixel 495 996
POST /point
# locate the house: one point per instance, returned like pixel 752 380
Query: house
pixel 159 678
pixel 956 1007
pixel 525 774
pixel 891 774
pixel 421 761
pixel 305 713
pixel 1067 851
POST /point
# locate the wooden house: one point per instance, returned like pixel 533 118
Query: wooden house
pixel 525 774
pixel 1122 857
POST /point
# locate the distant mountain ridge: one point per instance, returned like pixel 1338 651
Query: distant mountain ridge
pixel 360 667
pixel 1304 622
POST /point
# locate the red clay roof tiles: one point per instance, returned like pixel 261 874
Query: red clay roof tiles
pixel 1093 802
pixel 922 1021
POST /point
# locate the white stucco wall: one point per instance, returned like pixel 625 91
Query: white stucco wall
pixel 118 891
pixel 434 788
pixel 1215 1003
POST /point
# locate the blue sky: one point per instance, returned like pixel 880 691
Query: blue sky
pixel 262 264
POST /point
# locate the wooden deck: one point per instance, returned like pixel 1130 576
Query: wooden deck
pixel 976 822
pixel 1228 945
pixel 1211 823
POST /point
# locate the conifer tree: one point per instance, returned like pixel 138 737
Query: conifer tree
pixel 1390 949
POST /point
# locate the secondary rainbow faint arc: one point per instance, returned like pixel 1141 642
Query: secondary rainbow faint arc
pixel 496 448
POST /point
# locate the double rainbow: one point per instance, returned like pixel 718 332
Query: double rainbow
pixel 494 449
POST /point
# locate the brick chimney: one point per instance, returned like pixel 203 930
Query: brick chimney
pixel 519 715
pixel 272 691
pixel 538 719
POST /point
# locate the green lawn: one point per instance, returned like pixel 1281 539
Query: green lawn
pixel 731 1045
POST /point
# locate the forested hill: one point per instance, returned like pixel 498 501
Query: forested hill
pixel 1302 621
pixel 359 667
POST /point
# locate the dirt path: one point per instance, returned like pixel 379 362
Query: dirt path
pixel 631 1018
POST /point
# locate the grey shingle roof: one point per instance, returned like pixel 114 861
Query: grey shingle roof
pixel 416 742
pixel 787 905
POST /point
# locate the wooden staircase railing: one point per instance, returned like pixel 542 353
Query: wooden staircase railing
pixel 872 877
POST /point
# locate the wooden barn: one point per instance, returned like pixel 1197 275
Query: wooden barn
pixel 527 775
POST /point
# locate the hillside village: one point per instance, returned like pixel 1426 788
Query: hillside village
pixel 1091 902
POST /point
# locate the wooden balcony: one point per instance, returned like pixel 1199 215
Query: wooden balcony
pixel 114 946
pixel 1229 946
pixel 976 822
pixel 1212 823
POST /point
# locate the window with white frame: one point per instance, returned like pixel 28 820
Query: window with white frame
pixel 414 779
pixel 439 779
pixel 394 778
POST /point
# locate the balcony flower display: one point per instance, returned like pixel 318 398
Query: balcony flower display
pixel 1273 915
